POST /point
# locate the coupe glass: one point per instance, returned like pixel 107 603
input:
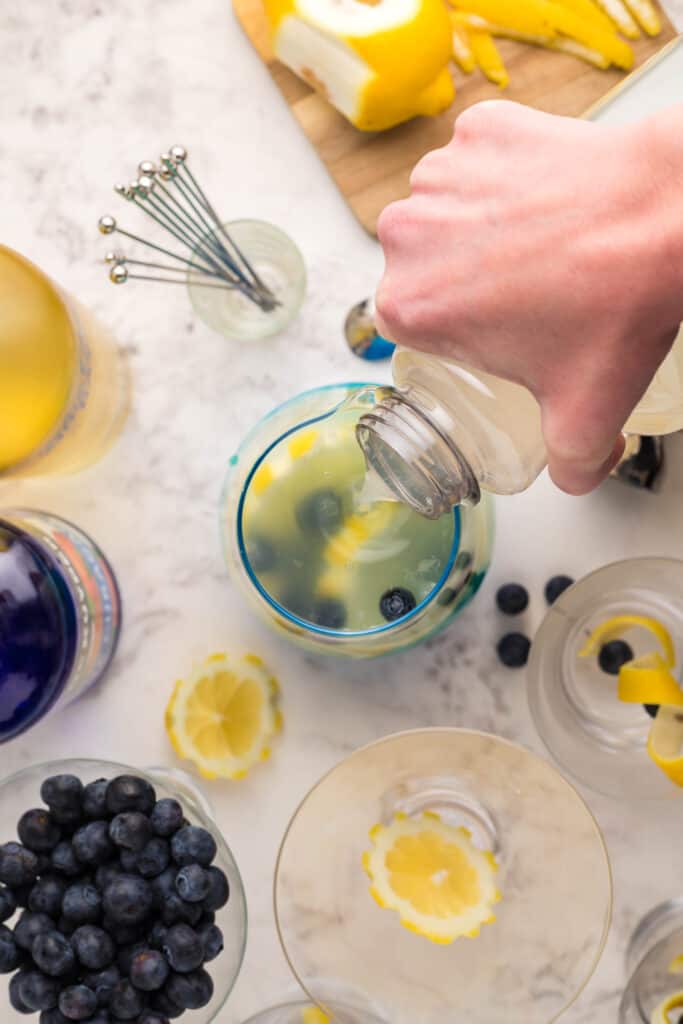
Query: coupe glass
pixel 465 569
pixel 554 877
pixel 656 943
pixel 21 791
pixel 601 740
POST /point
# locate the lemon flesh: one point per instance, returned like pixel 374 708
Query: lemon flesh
pixel 223 718
pixel 430 873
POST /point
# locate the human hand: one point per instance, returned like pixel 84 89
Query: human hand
pixel 548 251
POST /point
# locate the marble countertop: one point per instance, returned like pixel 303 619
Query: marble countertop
pixel 89 89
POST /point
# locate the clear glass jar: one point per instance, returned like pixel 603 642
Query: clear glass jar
pixel 465 567
pixel 21 791
pixel 279 264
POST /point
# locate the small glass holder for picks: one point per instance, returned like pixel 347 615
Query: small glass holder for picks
pixel 278 264
pixel 654 965
pixel 21 791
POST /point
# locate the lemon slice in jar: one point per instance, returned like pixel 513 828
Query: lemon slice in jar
pixel 661 1014
pixel 225 715
pixel 431 874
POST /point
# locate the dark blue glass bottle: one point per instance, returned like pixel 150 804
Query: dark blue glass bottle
pixel 59 617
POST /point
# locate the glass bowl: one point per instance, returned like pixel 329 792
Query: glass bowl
pixel 21 791
pixel 463 574
pixel 655 946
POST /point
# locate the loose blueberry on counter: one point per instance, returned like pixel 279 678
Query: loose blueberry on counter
pixel 10 954
pixel 29 927
pixel 18 866
pixel 513 650
pixel 183 948
pixel 37 991
pixel 8 904
pixel 212 940
pixel 556 586
pixel 219 889
pixel 653 711
pixel 38 830
pixel 94 800
pixel 193 844
pixel 46 896
pixel 77 1002
pixel 92 844
pixel 191 991
pixel 329 613
pixel 94 947
pixel 62 793
pixel 103 982
pixel 131 830
pixel 321 512
pixel 130 793
pixel 82 904
pixel 396 603
pixel 53 954
pixel 613 655
pixel 65 861
pixel 128 899
pixel 512 599
pixel 149 970
pixel 192 883
pixel 126 1001
pixel 154 858
pixel 166 817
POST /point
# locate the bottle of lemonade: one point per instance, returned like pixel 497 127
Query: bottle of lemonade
pixel 63 382
pixel 59 616
pixel 444 433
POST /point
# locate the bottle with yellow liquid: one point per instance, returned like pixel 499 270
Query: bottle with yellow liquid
pixel 63 381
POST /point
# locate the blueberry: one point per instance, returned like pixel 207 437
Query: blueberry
pixel 261 554
pixel 556 586
pixel 18 866
pixel 183 948
pixel 191 991
pixel 162 1003
pixel 128 899
pixel 106 873
pixel 128 861
pixel 55 1016
pixel 329 613
pixel 613 655
pixel 15 994
pixel 321 512
pixel 130 793
pixel 154 858
pixel 219 889
pixel 653 711
pixel 130 830
pixel 178 911
pixel 46 896
pixel 149 970
pixel 152 1017
pixel 22 895
pixel 126 1002
pixel 37 991
pixel 94 800
pixel 92 844
pixel 163 886
pixel 38 830
pixel 212 941
pixel 65 860
pixel 192 883
pixel 29 926
pixel 103 982
pixel 157 935
pixel 167 817
pixel 78 1002
pixel 10 954
pixel 82 904
pixel 122 934
pixel 94 947
pixel 396 603
pixel 193 845
pixel 127 954
pixel 8 904
pixel 512 598
pixel 513 650
pixel 62 793
pixel 53 954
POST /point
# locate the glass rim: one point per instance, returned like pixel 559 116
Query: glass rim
pixel 338 634
pixel 432 731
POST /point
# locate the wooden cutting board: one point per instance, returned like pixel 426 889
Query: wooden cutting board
pixel 373 170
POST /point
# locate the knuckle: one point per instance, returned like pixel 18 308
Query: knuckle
pixel 393 221
pixel 479 118
pixel 395 312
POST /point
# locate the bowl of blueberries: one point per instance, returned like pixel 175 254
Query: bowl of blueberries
pixel 119 898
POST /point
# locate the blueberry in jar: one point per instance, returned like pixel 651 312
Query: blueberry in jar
pixel 10 954
pixel 128 899
pixel 219 889
pixel 94 947
pixel 38 991
pixel 65 861
pixel 82 903
pixel 46 896
pixel 397 603
pixel 130 793
pixel 29 927
pixel 183 948
pixel 8 904
pixel 126 1002
pixel 18 866
pixel 190 991
pixel 192 883
pixel 38 830
pixel 92 844
pixel 94 800
pixel 53 954
pixel 193 845
pixel 149 970
pixel 130 830
pixel 154 858
pixel 212 941
pixel 62 793
pixel 103 982
pixel 166 817
pixel 77 1002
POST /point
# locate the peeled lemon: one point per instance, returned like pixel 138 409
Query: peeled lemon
pixel 661 1014
pixel 379 63
pixel 441 885
pixel 225 715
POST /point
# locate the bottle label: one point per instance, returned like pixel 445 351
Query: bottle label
pixel 94 591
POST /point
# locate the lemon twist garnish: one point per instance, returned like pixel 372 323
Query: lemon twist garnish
pixel 224 717
pixel 661 1014
pixel 613 629
pixel 430 873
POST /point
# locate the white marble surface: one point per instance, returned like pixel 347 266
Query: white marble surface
pixel 88 89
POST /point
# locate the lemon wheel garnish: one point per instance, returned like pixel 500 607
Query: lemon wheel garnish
pixel 431 873
pixel 225 715
pixel 314 1015
pixel 661 1014
pixel 614 629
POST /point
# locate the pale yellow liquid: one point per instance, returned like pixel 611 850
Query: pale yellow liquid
pixel 63 386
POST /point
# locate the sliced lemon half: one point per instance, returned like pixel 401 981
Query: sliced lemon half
pixel 614 629
pixel 665 742
pixel 314 1015
pixel 431 873
pixel 225 715
pixel 661 1014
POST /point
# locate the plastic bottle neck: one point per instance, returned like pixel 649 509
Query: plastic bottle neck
pixel 422 466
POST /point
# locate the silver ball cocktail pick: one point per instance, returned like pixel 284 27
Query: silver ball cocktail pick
pixel 118 274
pixel 106 225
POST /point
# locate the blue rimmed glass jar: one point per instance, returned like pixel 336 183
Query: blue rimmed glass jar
pixel 323 554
